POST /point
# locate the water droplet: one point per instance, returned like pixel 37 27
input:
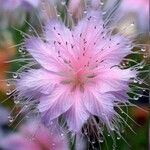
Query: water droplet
pixel 101 140
pixel 63 2
pixel 143 49
pixel 135 81
pixel 108 135
pixel 145 56
pixel 20 50
pixel 15 75
pixel 8 92
pixel 135 97
pixel 112 128
pixel 85 12
pixel 104 12
pixel 8 83
pixel 101 3
pixel 118 138
pixel 124 64
pixel 26 106
pixel 10 118
pixel 141 67
pixel 132 24
pixel 16 101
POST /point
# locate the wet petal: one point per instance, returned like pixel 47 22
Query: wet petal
pixel 43 53
pixel 56 104
pixel 35 82
pixel 77 115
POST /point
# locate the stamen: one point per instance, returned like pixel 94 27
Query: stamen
pixel 91 76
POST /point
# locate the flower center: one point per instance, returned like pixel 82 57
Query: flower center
pixel 79 79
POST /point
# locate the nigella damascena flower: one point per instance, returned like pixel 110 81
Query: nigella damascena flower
pixel 13 12
pixel 130 11
pixel 132 7
pixel 79 7
pixel 34 136
pixel 78 73
pixel 10 5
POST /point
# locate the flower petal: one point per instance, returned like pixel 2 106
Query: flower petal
pixel 18 142
pixel 43 53
pixel 59 36
pixel 76 115
pixel 35 82
pixel 56 104
pixel 114 79
pixel 101 105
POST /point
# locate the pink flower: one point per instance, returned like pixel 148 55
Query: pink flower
pixel 79 72
pixel 136 11
pixel 77 8
pixel 10 5
pixel 13 12
pixel 34 136
pixel 139 9
pixel 135 6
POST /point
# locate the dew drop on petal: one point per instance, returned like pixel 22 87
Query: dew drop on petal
pixel 132 24
pixel 10 118
pixel 8 92
pixel 145 56
pixel 85 12
pixel 141 67
pixel 15 75
pixel 118 138
pixel 16 101
pixel 8 84
pixel 101 140
pixel 104 12
pixel 63 2
pixel 135 81
pixel 135 97
pixel 101 2
pixel 26 106
pixel 143 49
